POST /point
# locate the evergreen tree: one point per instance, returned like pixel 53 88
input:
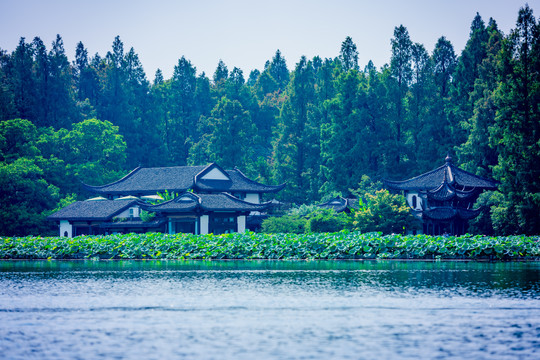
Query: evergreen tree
pixel 61 105
pixel 22 82
pixel 278 70
pixel 290 146
pixel 348 55
pixel 229 137
pixel 401 70
pixel 516 133
pixel 158 78
pixel 181 131
pixel 465 75
pixel 7 106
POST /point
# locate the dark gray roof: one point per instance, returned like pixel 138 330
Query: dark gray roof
pixel 132 224
pixel 224 201
pixel 186 202
pixel 448 213
pixel 143 181
pixel 446 192
pixel 147 181
pixel 433 179
pixel 92 210
pixel 189 202
pixel 238 183
pixel 338 203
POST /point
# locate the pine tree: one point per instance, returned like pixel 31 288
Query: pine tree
pixel 516 133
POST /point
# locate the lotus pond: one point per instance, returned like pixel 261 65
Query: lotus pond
pixel 341 245
pixel 376 309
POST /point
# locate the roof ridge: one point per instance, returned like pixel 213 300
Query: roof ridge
pixel 114 182
pixel 196 177
pixel 416 177
pixel 474 175
pixel 253 181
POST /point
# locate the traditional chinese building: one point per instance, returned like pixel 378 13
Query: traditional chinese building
pixel 207 199
pixel 339 204
pixel 443 199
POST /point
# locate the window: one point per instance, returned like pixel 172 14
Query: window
pixel 414 201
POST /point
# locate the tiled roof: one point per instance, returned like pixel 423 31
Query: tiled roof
pixel 238 183
pixel 133 224
pixel 338 203
pixel 92 210
pixel 147 181
pixel 447 213
pixel 433 179
pixel 143 181
pixel 446 192
pixel 189 202
pixel 224 201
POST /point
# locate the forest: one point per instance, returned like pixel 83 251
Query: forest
pixel 319 125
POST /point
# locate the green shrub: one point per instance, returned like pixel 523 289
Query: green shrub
pixel 381 211
pixel 285 224
pixel 327 220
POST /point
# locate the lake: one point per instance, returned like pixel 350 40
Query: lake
pixel 269 310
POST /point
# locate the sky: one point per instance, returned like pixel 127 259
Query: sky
pixel 246 33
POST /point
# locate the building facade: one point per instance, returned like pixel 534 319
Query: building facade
pixel 443 199
pixel 205 199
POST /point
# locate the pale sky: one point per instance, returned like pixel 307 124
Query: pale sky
pixel 246 33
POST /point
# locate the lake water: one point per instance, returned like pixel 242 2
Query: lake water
pixel 269 310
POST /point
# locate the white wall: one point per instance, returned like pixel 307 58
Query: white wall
pixel 66 226
pixel 418 201
pixel 215 174
pixel 253 198
pixel 125 214
pixel 205 221
pixel 241 223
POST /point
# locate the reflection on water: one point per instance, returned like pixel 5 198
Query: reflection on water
pixel 269 309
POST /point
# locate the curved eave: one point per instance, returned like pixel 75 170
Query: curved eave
pixel 100 188
pixel 55 217
pixel 406 184
pixel 450 214
pixel 161 208
pixel 264 187
pixel 141 192
pixel 242 206
pixel 488 184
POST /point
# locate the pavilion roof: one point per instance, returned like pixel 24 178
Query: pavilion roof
pixel 448 173
pixel 338 203
pixel 448 213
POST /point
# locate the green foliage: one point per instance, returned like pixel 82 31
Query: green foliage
pixel 384 212
pixel 307 218
pixel 94 150
pixel 303 210
pixel 318 128
pixel 327 221
pixel 293 224
pixel 314 246
pixel 515 133
pixel 24 195
pixel 147 216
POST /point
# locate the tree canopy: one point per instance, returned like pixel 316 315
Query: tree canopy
pixel 318 124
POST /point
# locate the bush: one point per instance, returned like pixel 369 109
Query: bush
pixel 285 224
pixel 307 219
pixel 384 212
pixel 327 220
